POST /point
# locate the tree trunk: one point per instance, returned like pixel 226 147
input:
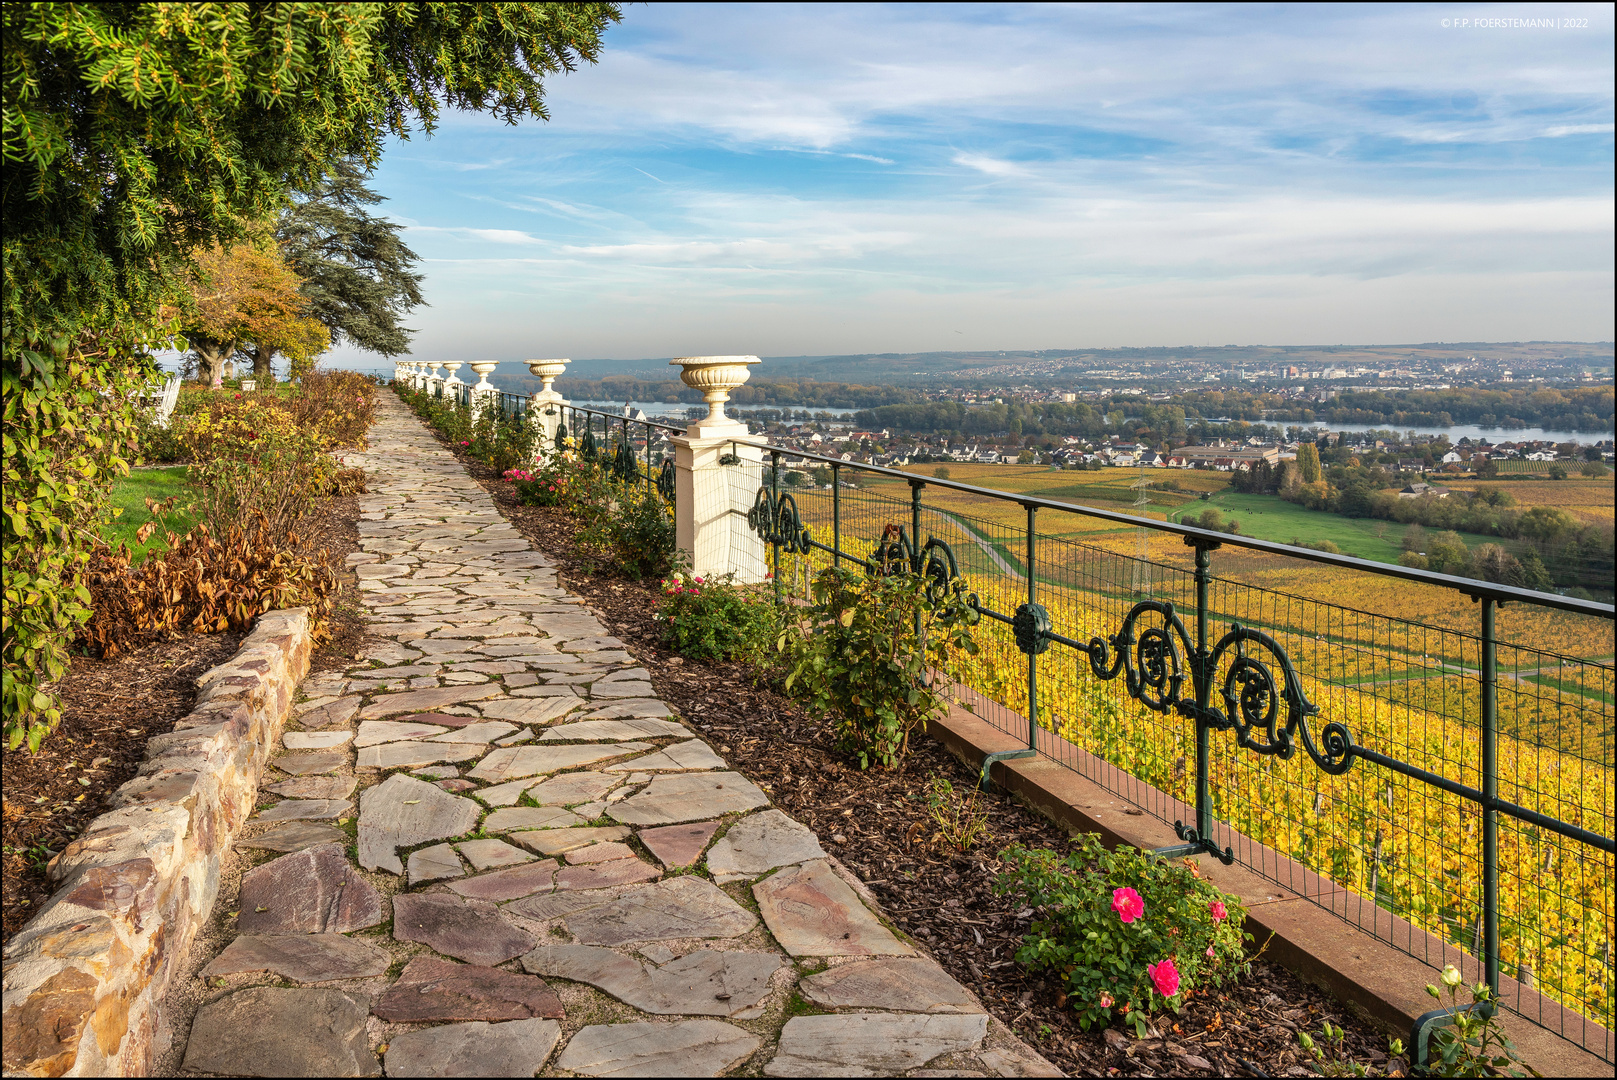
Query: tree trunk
pixel 211 357
pixel 263 362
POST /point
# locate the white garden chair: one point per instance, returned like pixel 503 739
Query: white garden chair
pixel 166 401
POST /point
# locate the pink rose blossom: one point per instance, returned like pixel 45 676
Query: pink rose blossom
pixel 1220 913
pixel 1128 904
pixel 1105 1001
pixel 1165 977
pixel 1209 952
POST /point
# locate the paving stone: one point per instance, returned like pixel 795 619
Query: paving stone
pixel 520 678
pixel 668 800
pixel 533 710
pixel 306 810
pixel 336 712
pixel 315 740
pixel 493 667
pixel 516 819
pixel 634 674
pixel 680 757
pixel 511 884
pixel 402 811
pixel 315 787
pixel 493 854
pixel 376 732
pixel 432 989
pixel 388 652
pixel 683 1048
pixel 678 845
pixel 410 755
pixel 514 1048
pixel 276 1031
pixel 505 794
pixel 443 719
pixel 511 762
pixel 421 700
pixel 572 788
pixel 621 689
pixel 560 841
pixel 636 707
pixel 294 836
pixel 760 843
pixel 871 1044
pixel 707 982
pixel 569 626
pixel 546 906
pixel 434 863
pixel 305 764
pixel 300 957
pixel 812 912
pixel 552 689
pixel 314 891
pixel 484 733
pixel 469 930
pixel 605 874
pixel 897 985
pixel 1023 1061
pixel 437 772
pixel 683 907
pixel 455 784
pixel 599 853
pixel 613 730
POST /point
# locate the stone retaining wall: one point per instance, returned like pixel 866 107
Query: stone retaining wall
pixel 84 978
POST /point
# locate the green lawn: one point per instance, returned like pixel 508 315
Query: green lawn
pixel 130 495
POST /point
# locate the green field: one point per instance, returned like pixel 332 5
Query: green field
pixel 130 495
pixel 1269 517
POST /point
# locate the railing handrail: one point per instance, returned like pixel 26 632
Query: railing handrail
pixel 1193 536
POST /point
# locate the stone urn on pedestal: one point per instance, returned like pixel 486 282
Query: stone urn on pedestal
pixel 545 406
pixel 716 475
pixel 452 382
pixel 434 381
pixel 483 392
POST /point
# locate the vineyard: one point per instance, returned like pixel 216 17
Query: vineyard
pixel 1399 667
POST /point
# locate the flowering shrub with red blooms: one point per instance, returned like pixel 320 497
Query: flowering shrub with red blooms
pixel 547 487
pixel 715 619
pixel 1130 932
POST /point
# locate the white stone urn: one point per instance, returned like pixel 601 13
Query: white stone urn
pixel 544 411
pixel 715 377
pixel 483 369
pixel 452 366
pixel 547 372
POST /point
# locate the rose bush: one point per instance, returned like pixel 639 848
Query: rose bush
pixel 715 619
pixel 1130 933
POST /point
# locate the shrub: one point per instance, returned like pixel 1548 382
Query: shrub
pixel 714 618
pixel 635 533
pixel 867 657
pixel 1475 1044
pixel 1130 932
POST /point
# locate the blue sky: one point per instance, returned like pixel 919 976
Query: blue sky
pixel 795 180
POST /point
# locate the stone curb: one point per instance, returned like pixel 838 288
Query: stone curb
pixel 84 978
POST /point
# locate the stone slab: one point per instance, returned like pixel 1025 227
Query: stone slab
pixel 613 730
pixel 300 957
pixel 505 794
pixel 320 761
pixel 294 836
pixel 334 712
pixel 315 787
pixel 433 863
pixel 431 989
pixel 440 719
pixel 314 891
pixel 871 1044
pixel 315 740
pixel 514 762
pixel 896 985
pixel 707 982
pixel 493 854
pixel 469 930
pixel 679 845
pixel 668 800
pixel 560 841
pixel 599 853
pixel 410 755
pixel 683 1048
pixel 812 912
pixel 402 811
pixel 485 732
pixel 605 874
pixel 518 818
pixel 760 843
pixel 510 884
pixel 514 1048
pixel 277 1031
pixel 635 707
pixel 572 788
pixel 533 710
pixel 306 810
pixel 683 907
pixel 687 756
pixel 423 700
pixel 621 690
pixel 376 732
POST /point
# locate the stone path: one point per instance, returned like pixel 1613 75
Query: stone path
pixel 490 850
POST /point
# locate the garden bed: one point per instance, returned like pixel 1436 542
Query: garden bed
pixel 878 824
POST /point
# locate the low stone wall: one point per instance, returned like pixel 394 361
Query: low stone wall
pixel 84 978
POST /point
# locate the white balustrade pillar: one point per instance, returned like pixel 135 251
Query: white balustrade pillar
pixel 711 498
pixel 452 382
pixel 434 381
pixel 545 406
pixel 483 393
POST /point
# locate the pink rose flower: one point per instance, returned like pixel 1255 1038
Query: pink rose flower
pixel 1105 1000
pixel 1220 913
pixel 1165 977
pixel 1209 952
pixel 1128 904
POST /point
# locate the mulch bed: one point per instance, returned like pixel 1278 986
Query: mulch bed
pixel 111 707
pixel 877 824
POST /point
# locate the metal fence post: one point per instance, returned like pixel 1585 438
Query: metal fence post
pixel 1204 690
pixel 1490 795
pixel 1032 657
pixel 774 526
pixel 836 515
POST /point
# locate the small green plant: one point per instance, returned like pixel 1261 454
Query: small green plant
pixel 1476 1044
pixel 960 820
pixel 1330 1056
pixel 872 644
pixel 714 618
pixel 1129 931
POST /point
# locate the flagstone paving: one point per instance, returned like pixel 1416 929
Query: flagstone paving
pixel 548 870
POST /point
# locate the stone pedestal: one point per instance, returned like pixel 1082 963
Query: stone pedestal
pixel 545 406
pixel 711 503
pixel 484 394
